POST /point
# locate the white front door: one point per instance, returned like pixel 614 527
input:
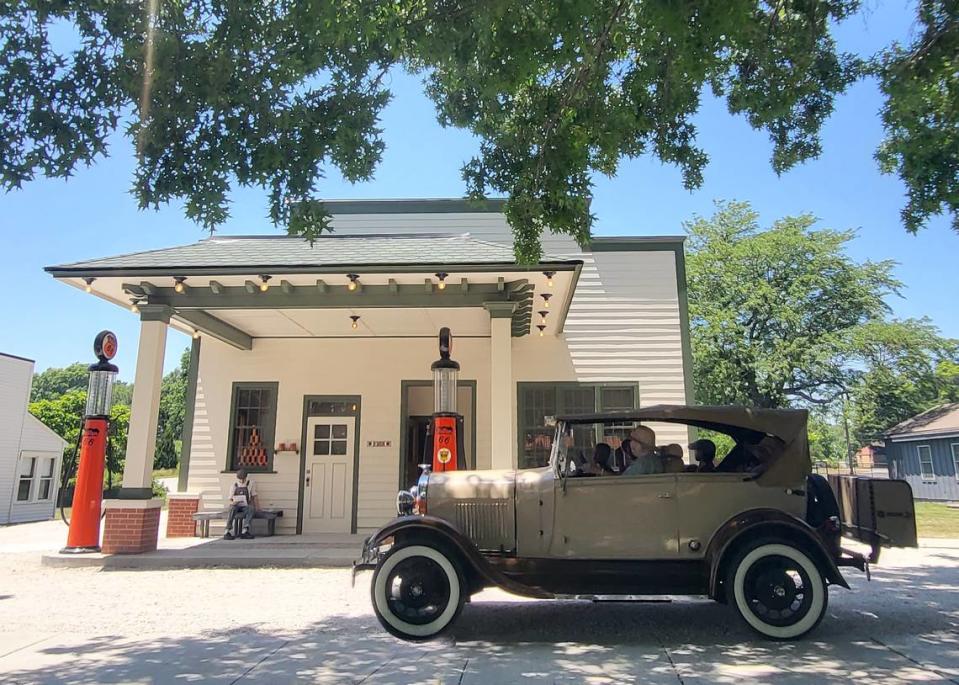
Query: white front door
pixel 328 484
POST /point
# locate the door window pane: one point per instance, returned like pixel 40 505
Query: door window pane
pixel 254 424
pixel 338 447
pixel 339 432
pixel 926 469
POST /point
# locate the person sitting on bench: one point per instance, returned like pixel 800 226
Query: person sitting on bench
pixel 242 504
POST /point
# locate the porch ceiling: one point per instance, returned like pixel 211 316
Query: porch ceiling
pixel 408 303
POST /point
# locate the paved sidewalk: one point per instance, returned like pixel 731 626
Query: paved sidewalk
pixel 270 626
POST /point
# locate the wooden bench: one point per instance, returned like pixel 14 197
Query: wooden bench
pixel 203 518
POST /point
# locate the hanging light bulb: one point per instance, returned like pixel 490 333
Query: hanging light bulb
pixel 133 307
pixel 541 328
pixel 543 314
pixel 264 283
pixel 178 284
pixel 355 318
pixel 89 284
pixel 546 297
pixel 352 285
pixel 442 280
pixel 196 334
pixel 549 277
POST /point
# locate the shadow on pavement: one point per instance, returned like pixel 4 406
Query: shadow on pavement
pixel 904 626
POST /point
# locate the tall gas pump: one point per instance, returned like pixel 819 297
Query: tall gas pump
pixel 444 435
pixel 84 535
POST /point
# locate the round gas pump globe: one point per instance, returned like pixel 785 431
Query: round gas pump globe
pixel 105 345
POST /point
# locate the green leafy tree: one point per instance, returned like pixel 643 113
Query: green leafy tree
pixel 215 95
pixel 172 405
pixel 54 382
pixel 64 416
pixel 947 381
pixel 774 313
pixel 906 366
pixel 921 114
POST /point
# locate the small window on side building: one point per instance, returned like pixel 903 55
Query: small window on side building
pixel 926 470
pixel 45 484
pixel 25 476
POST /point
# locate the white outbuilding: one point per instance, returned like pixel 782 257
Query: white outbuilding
pixel 30 453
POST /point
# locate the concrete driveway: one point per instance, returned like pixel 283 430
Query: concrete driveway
pixel 295 625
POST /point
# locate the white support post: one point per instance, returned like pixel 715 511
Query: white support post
pixel 145 410
pixel 503 446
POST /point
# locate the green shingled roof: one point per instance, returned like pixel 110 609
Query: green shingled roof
pixel 273 252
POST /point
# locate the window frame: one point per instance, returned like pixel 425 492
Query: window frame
pixel 558 388
pixel 932 467
pixel 40 478
pixel 270 423
pixel 31 479
pixel 954 447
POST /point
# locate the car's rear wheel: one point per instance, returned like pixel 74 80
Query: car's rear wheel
pixel 417 591
pixel 777 589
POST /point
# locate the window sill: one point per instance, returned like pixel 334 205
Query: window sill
pixel 250 472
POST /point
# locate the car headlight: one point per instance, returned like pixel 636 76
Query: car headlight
pixel 404 502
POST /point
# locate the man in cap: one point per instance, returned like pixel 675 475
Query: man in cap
pixel 643 447
pixel 704 451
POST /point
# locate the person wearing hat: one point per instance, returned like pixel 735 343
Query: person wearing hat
pixel 704 451
pixel 642 445
pixel 673 458
pixel 242 505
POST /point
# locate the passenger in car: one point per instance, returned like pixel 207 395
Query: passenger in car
pixel 601 463
pixel 643 445
pixel 704 452
pixel 672 456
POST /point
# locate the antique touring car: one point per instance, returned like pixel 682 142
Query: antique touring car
pixel 760 532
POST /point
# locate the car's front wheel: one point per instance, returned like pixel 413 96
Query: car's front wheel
pixel 777 589
pixel 418 591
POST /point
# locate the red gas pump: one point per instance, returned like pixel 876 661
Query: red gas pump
pixel 84 535
pixel 444 435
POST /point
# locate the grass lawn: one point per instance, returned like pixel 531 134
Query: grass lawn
pixel 936 520
pixel 165 473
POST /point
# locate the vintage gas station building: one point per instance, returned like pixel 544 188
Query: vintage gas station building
pixel 310 365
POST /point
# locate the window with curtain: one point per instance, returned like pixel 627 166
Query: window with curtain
pixel 538 403
pixel 253 422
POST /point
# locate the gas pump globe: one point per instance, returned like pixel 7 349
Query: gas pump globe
pixel 445 432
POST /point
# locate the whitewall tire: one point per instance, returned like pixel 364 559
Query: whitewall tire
pixel 778 590
pixel 417 592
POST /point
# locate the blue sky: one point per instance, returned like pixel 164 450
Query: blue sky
pixel 93 214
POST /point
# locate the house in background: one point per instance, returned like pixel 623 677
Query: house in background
pixel 30 453
pixel 310 364
pixel 924 450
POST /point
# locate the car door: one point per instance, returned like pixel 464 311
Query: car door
pixel 616 517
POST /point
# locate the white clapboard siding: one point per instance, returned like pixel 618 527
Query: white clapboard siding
pixel 38 440
pixel 623 323
pixel 15 378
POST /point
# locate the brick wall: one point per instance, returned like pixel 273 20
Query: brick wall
pixel 180 511
pixel 130 531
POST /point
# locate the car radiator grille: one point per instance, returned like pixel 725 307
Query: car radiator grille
pixel 488 524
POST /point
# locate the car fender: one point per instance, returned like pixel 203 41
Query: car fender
pixel 755 522
pixel 431 528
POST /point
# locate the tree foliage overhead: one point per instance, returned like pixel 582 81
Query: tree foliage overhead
pixel 215 94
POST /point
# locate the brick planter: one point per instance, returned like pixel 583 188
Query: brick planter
pixel 131 526
pixel 180 510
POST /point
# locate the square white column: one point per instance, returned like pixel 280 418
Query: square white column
pixel 502 442
pixel 145 410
